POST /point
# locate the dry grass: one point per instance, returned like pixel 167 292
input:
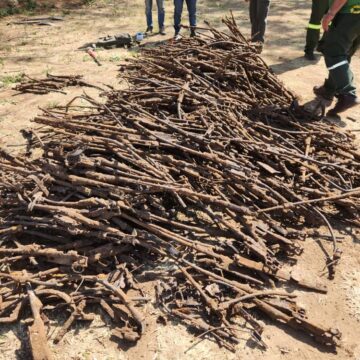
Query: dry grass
pixel 36 50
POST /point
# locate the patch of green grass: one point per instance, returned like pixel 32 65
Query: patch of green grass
pixel 87 355
pixel 89 2
pixel 26 6
pixel 52 104
pixel 133 52
pixel 1 62
pixel 87 58
pixel 115 58
pixel 8 11
pixel 6 48
pixel 7 102
pixel 30 5
pixel 11 79
pixel 48 70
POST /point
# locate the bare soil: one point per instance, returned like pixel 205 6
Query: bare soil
pixel 35 50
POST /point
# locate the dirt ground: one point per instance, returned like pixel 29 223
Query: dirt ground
pixel 36 50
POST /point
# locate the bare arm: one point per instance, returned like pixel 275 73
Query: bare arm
pixel 329 16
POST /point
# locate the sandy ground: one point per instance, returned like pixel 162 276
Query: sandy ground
pixel 36 50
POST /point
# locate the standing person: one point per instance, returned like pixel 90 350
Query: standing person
pixel 339 43
pixel 191 6
pixel 258 10
pixel 161 16
pixel 318 10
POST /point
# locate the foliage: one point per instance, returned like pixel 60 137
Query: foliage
pixel 6 11
pixel 11 79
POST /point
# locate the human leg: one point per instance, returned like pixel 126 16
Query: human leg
pixel 253 17
pixel 340 45
pixel 178 5
pixel 161 13
pixel 148 13
pixel 262 14
pixel 318 9
pixel 191 5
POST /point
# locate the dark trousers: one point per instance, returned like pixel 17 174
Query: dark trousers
pixel 191 6
pixel 318 9
pixel 338 45
pixel 161 12
pixel 259 10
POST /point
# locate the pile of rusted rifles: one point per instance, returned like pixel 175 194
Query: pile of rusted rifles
pixel 202 177
pixel 52 83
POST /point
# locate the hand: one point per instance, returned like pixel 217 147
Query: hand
pixel 328 17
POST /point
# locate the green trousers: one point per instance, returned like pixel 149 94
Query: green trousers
pixel 318 9
pixel 338 45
